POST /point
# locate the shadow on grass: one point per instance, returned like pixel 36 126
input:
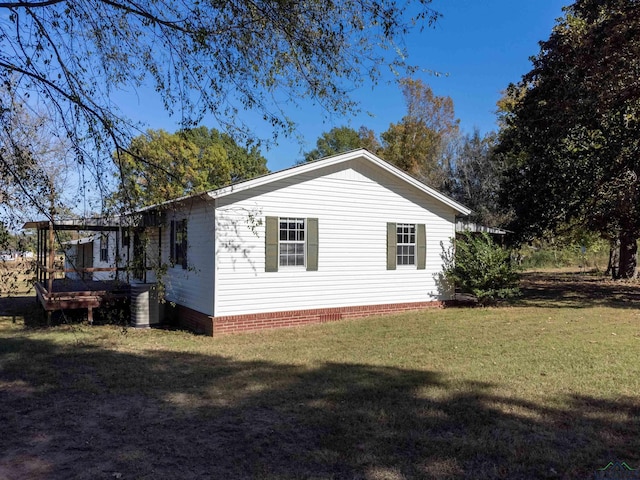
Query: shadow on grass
pixel 81 412
pixel 28 309
pixel 24 307
pixel 564 289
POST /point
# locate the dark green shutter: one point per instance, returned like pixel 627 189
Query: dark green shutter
pixel 172 244
pixel 421 241
pixel 184 244
pixel 392 239
pixel 312 244
pixel 271 244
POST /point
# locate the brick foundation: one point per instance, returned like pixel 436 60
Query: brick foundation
pixel 259 321
pixel 185 317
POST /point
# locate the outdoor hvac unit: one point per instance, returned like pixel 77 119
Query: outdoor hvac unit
pixel 145 308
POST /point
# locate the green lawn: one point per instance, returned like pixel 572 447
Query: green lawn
pixel 548 387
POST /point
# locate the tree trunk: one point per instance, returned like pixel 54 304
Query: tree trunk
pixel 614 259
pixel 628 255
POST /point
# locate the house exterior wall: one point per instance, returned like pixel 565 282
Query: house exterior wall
pixel 125 256
pixel 78 256
pixel 353 202
pixel 191 287
pixel 153 259
pixel 111 256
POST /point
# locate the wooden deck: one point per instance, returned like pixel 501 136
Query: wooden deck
pixel 67 294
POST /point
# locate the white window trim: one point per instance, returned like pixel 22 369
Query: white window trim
pixel 104 248
pixel 302 242
pixel 414 244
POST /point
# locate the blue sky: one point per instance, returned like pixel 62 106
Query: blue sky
pixel 478 46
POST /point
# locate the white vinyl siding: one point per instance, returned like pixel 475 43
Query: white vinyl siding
pixel 192 287
pixel 353 203
pixel 104 255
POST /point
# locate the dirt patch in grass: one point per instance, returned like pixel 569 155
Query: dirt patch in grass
pixel 93 403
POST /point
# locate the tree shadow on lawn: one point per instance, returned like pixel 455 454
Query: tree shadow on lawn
pixel 17 305
pixel 81 412
pixel 27 308
pixel 565 289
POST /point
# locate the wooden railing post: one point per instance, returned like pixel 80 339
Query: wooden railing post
pixel 52 253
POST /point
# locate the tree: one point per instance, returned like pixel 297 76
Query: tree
pixel 342 139
pixel 33 171
pixel 205 57
pixel 160 166
pixel 572 137
pixel 474 178
pixel 417 143
pixel 246 162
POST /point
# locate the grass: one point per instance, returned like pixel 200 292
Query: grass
pixel 547 387
pixel 16 277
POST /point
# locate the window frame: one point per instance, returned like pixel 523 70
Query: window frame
pixel 406 244
pixel 420 260
pixel 104 248
pixel 299 241
pixel 179 243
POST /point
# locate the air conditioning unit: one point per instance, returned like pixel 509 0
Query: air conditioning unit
pixel 145 307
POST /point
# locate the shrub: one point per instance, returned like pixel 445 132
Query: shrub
pixel 554 254
pixel 476 265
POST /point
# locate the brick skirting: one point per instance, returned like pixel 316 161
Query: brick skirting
pixel 201 323
pixel 190 319
pixel 260 321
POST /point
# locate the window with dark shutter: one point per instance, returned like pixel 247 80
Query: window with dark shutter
pixel 406 245
pixel 291 242
pixel 178 244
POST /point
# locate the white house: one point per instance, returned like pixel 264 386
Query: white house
pixel 345 236
pixel 95 253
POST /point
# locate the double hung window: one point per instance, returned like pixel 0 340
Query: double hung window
pixel 292 242
pixel 405 244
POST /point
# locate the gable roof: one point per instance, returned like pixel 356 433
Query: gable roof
pixel 316 165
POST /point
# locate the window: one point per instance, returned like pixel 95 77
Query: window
pixel 292 242
pixel 178 242
pixel 104 248
pixel 405 244
pixel 126 237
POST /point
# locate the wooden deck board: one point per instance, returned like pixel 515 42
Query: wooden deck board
pixel 75 294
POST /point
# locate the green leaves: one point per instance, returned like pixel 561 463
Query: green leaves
pixel 416 144
pixel 479 267
pixel 160 166
pixel 342 139
pixel 214 58
pixel 569 132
